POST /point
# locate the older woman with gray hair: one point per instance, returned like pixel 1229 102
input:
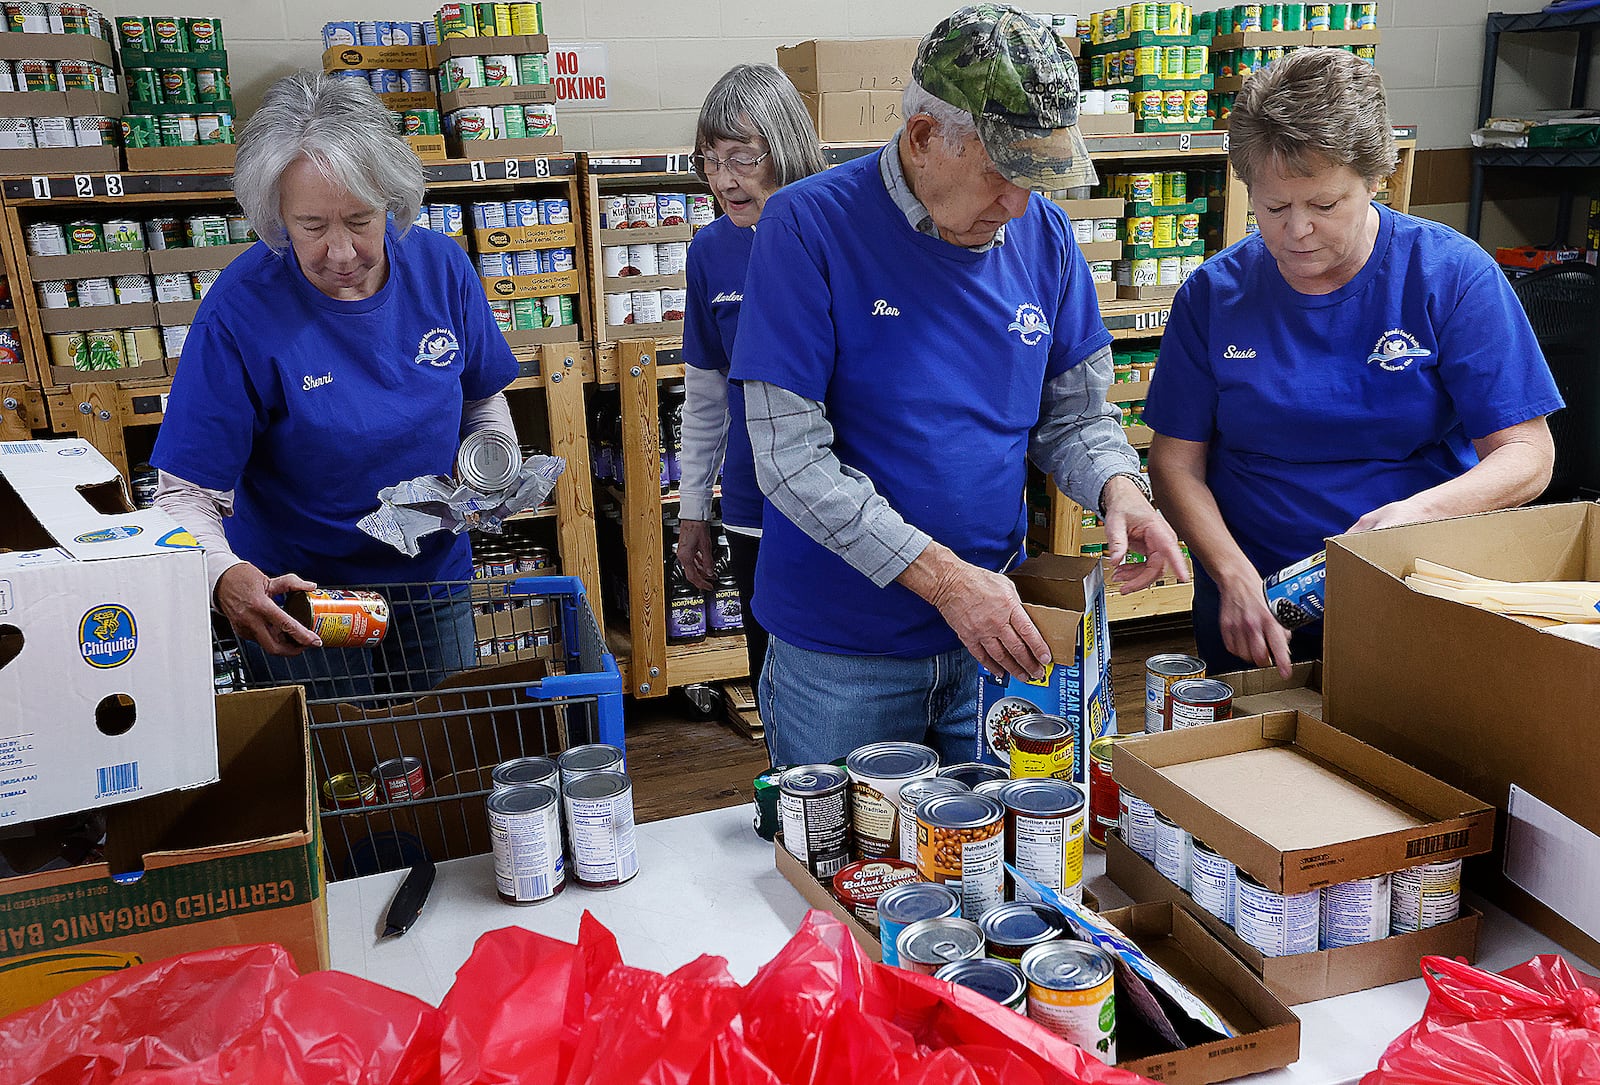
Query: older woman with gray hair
pixel 754 136
pixel 343 353
pixel 1345 368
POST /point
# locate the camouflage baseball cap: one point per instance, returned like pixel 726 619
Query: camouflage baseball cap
pixel 1016 78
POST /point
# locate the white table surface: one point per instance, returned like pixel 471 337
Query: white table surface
pixel 707 884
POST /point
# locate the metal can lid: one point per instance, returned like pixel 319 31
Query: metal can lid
pixel 1000 980
pixel 906 904
pixel 1037 727
pixel 1067 965
pixel 991 787
pixel 1201 691
pixel 973 773
pixel 1022 923
pixel 960 810
pixel 350 787
pixel 813 779
pixel 590 757
pixel 913 792
pixel 597 785
pixel 939 941
pixel 520 800
pixel 1042 797
pixel 1101 749
pixel 865 881
pixel 1174 664
pixel 524 770
pixel 488 460
pixel 892 760
pixel 397 766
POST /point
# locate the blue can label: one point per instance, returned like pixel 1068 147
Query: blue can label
pixel 335 35
pixel 416 81
pixel 367 33
pixel 529 262
pixel 493 265
pixel 488 215
pixel 1295 594
pixel 561 260
pixel 522 212
pixel 385 81
pixel 554 212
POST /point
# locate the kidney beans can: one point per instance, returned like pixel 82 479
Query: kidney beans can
pixel 1071 992
pixel 525 836
pixel 1213 881
pixel 1137 825
pixel 401 778
pixel 1160 672
pixel 1010 930
pixel 904 905
pixel 912 792
pixel 1042 746
pixel 614 212
pixel 859 885
pixel 1104 804
pixel 342 618
pixel 674 300
pixel 1425 896
pixel 1276 924
pixel 646 306
pixel 1355 912
pixel 1194 702
pixel 599 809
pixel 1000 981
pixel 961 839
pixel 877 773
pixel 642 260
pixel 614 262
pixel 642 210
pixel 929 944
pixel 813 803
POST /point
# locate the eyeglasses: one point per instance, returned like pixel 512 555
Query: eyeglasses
pixel 740 165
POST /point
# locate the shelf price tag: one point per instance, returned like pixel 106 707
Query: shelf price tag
pixel 114 184
pixel 41 188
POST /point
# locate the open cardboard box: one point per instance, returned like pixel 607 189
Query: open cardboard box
pixel 1257 692
pixel 1298 804
pixel 1303 977
pixel 855 116
pixel 1485 702
pixel 825 67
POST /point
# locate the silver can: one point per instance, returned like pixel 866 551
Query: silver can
pixel 642 260
pixel 906 904
pixel 1425 896
pixel 54 132
pixel 488 461
pixel 523 771
pixel 174 287
pixel 1160 672
pixel 132 289
pixel 599 809
pixel 619 309
pixel 203 281
pixel 525 836
pixel 646 306
pixel 1278 925
pixel 47 239
pixel 56 294
pixel 1136 823
pixel 642 210
pixel 1355 912
pixel 929 944
pixel 613 261
pixel 878 771
pixel 586 760
pixel 95 291
pixel 998 980
pixel 16 133
pixel 813 805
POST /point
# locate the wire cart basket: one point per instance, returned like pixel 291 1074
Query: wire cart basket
pixel 405 735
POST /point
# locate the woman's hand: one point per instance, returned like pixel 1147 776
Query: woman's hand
pixel 1394 514
pixel 244 594
pixel 697 554
pixel 1248 628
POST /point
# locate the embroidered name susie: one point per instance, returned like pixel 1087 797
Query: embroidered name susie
pixel 1237 352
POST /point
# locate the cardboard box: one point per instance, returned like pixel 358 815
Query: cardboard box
pixel 531 286
pixel 87 265
pixel 141 314
pixel 198 258
pixel 217 156
pixel 1105 124
pixel 1101 207
pixel 234 863
pixel 488 45
pixel 41 160
pixel 508 238
pixel 1298 804
pixel 346 57
pixel 108 685
pixel 1066 598
pixel 539 94
pixel 428 148
pixel 57 47
pixel 822 66
pixel 1267 1033
pixel 58 103
pixel 1258 692
pixel 856 116
pixel 504 148
pixel 1303 977
pixel 1485 702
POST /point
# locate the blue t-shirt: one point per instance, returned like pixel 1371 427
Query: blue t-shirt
pixel 718 258
pixel 307 406
pixel 1319 409
pixel 930 360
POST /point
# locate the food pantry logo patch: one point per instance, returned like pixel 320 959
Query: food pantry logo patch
pixel 1030 324
pixel 438 348
pixel 1396 350
pixel 107 636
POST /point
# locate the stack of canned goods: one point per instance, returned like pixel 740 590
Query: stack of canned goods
pixel 546 814
pixel 377 33
pixel 640 211
pixel 499 70
pixel 1165 62
pixel 1114 24
pixel 523 314
pixel 488 20
pixel 56 75
pixel 184 100
pixel 33 18
pixel 390 80
pixel 501 122
pixel 1247 18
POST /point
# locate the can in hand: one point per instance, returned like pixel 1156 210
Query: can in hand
pixel 488 461
pixel 342 618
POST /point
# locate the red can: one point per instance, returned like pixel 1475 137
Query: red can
pixel 1194 702
pixel 401 778
pixel 859 885
pixel 1104 795
pixel 343 619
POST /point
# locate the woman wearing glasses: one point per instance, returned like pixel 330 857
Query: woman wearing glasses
pixel 753 137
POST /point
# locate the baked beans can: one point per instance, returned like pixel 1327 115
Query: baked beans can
pixel 1000 981
pixel 599 809
pixel 47 239
pixel 1042 746
pixel 525 837
pixel 642 210
pixel 1104 805
pixel 1355 912
pixel 1425 896
pixel 1010 930
pixel 401 778
pixel 642 260
pixel 1072 992
pixel 961 840
pixel 912 792
pixel 1194 702
pixel 646 306
pixel 1276 924
pixel 1213 881
pixel 349 791
pixel 672 208
pixel 1296 594
pixel 342 618
pixel 859 885
pixel 96 291
pixel 1160 672
pixel 619 309
pixel 908 904
pixel 1044 828
pixel 877 773
pixel 929 944
pixel 56 294
pixel 1136 824
pixel 1173 845
pixel 702 209
pixel 973 773
pixel 16 133
pixel 132 289
pixel 813 803
pixel 162 232
pixel 674 300
pixel 176 286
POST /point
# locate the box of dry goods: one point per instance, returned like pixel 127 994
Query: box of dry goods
pixel 1297 804
pixel 1257 692
pixel 825 67
pixel 105 639
pixel 234 863
pixel 1498 706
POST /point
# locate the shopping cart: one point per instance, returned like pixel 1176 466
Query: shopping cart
pixel 405 736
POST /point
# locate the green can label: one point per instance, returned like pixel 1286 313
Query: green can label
pixel 177 86
pixel 85 236
pixel 204 34
pixel 135 32
pixel 169 35
pixel 144 85
pixel 140 131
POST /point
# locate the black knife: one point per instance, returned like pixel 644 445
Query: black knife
pixel 408 900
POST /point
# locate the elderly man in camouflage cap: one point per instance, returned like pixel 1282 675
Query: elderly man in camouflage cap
pixel 916 325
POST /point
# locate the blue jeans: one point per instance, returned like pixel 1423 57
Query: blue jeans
pixel 817 706
pixel 1305 644
pixel 428 640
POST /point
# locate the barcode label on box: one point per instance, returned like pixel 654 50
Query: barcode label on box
pixel 21 448
pixel 1433 845
pixel 117 779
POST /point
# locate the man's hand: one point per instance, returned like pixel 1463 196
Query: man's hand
pixel 244 594
pixel 696 553
pixel 984 610
pixel 1132 521
pixel 1248 628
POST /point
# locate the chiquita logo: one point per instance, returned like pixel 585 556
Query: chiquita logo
pixel 107 636
pixel 351 57
pixel 109 534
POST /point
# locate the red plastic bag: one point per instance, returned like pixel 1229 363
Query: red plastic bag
pixel 1535 1024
